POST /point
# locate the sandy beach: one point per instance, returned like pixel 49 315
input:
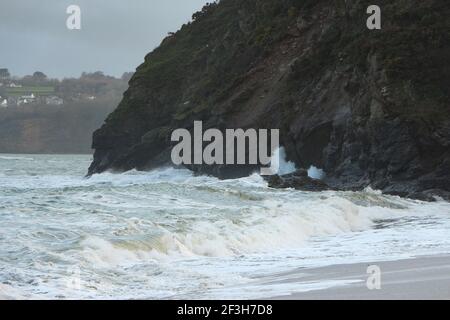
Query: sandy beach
pixel 421 278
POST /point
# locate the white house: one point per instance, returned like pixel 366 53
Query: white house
pixel 26 99
pixel 54 101
pixel 13 85
pixel 3 103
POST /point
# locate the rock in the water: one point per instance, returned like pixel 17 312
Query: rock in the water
pixel 298 180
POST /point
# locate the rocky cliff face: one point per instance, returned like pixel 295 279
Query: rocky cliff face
pixel 370 107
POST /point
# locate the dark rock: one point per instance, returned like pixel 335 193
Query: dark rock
pixel 298 180
pixel 371 108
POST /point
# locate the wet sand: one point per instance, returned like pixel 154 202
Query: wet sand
pixel 421 278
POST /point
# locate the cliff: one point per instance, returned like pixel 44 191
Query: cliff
pixel 370 107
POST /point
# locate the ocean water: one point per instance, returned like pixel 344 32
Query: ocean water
pixel 169 234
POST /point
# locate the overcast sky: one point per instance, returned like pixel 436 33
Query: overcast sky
pixel 115 35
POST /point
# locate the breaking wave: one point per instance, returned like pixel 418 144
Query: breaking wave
pixel 168 233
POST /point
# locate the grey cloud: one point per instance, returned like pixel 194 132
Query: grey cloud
pixel 115 35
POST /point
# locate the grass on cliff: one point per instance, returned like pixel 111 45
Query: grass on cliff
pixel 206 57
pixel 194 68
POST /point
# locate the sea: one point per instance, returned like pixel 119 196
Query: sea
pixel 169 234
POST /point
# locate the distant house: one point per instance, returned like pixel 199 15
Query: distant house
pixel 54 101
pixel 84 96
pixel 3 102
pixel 15 85
pixel 26 99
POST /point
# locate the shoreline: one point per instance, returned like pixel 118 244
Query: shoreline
pixel 419 278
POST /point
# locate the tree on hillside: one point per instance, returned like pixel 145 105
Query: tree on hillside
pixel 39 76
pixel 97 75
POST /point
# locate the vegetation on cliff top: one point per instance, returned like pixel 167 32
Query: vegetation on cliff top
pixel 195 67
pixel 206 57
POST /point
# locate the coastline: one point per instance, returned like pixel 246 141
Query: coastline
pixel 420 278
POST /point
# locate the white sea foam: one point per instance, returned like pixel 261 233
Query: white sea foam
pixel 316 173
pixel 287 167
pixel 168 233
pixel 17 158
pixel 261 229
pixel 279 161
pixel 7 292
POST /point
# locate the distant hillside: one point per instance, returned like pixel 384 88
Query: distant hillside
pixel 40 115
pixel 52 129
